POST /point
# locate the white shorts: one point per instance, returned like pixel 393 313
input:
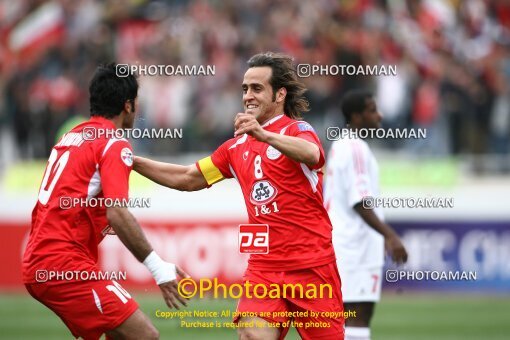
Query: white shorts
pixel 360 261
pixel 361 284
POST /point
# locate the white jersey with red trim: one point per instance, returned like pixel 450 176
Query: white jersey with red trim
pixel 351 174
pixel 64 235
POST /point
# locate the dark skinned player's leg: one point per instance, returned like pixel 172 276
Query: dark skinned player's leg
pixel 364 312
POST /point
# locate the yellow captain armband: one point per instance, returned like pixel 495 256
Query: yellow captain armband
pixel 211 173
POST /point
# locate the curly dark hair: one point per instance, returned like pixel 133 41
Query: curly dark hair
pixel 283 75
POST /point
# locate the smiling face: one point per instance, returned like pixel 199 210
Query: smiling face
pixel 258 95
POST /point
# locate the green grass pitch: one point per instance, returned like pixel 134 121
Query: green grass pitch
pixel 398 317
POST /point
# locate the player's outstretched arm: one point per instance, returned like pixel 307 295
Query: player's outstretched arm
pixel 131 235
pixel 179 177
pixel 392 241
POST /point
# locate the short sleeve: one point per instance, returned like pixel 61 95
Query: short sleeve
pixel 357 176
pixel 114 168
pixel 305 131
pixel 217 166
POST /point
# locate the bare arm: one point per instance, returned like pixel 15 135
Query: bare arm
pixel 179 177
pixel 131 235
pixel 129 232
pixel 295 148
pixel 392 241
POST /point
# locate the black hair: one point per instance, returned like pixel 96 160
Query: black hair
pixel 283 75
pixel 355 101
pixel 111 86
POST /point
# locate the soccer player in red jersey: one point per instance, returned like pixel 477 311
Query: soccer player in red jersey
pixel 87 164
pixel 276 159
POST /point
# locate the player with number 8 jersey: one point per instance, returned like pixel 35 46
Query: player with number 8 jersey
pixel 280 192
pixel 276 158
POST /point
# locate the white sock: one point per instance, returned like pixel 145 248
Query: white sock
pixel 357 333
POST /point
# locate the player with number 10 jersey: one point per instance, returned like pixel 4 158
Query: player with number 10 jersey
pixel 87 164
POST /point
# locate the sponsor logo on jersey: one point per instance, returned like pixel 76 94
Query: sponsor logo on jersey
pixel 108 230
pixel 272 153
pixel 127 156
pixel 254 238
pixel 262 192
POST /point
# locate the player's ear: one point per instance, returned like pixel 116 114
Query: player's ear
pixel 280 95
pixel 129 106
pixel 356 118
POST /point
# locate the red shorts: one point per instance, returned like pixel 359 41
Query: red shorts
pixel 327 321
pixel 88 308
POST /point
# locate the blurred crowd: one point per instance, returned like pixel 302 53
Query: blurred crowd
pixel 452 58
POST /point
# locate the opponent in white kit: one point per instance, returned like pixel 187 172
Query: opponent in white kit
pixel 359 232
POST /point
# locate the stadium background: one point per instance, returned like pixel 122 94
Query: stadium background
pixel 453 77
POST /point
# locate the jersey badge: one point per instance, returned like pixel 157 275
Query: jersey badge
pixel 262 192
pixel 304 126
pixel 272 153
pixel 127 156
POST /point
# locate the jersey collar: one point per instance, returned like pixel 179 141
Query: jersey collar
pixel 271 121
pixel 103 121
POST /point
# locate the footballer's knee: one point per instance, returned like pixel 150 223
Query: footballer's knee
pixel 145 333
pixel 137 326
pixel 152 333
pixel 249 334
pixel 257 333
pixel 148 331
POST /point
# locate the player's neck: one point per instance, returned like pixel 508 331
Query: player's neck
pixel 354 127
pixel 275 114
pixel 117 121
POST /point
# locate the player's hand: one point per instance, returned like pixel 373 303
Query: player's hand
pixel 247 123
pixel 170 290
pixel 396 249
